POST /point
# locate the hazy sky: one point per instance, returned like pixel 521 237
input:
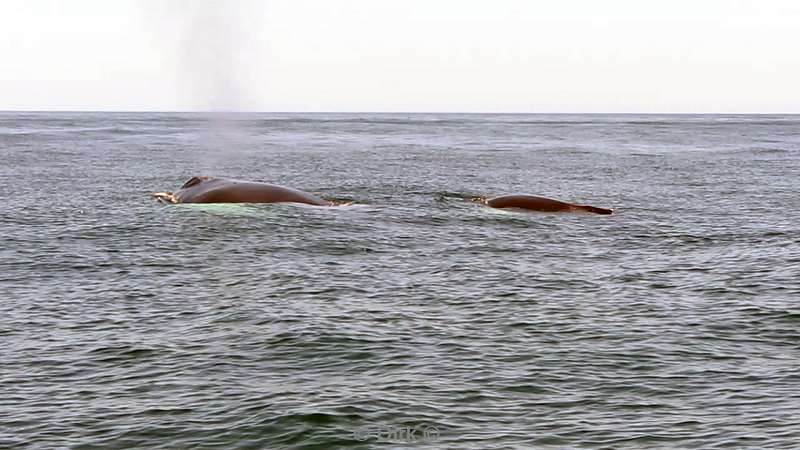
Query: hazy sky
pixel 404 55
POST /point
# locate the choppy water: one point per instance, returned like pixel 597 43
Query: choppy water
pixel 675 323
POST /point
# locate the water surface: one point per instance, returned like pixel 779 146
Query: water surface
pixel 126 323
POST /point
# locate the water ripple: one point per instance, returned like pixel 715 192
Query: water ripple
pixel 129 324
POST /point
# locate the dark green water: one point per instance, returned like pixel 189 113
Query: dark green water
pixel 419 320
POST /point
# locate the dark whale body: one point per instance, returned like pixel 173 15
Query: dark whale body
pixel 228 190
pixel 541 204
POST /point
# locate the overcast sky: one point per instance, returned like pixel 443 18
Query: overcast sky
pixel 405 55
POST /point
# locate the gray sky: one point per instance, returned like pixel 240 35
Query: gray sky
pixel 408 55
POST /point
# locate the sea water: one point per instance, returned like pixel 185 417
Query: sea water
pixel 416 319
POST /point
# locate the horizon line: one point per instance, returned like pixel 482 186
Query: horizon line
pixel 201 111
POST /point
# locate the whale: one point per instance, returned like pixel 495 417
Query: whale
pixel 540 204
pixel 204 189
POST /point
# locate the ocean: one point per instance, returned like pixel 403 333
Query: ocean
pixel 412 318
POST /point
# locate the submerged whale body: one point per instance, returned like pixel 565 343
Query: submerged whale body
pixel 228 190
pixel 540 204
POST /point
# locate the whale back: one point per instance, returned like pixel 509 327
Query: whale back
pixel 541 204
pixel 530 202
pixel 226 190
